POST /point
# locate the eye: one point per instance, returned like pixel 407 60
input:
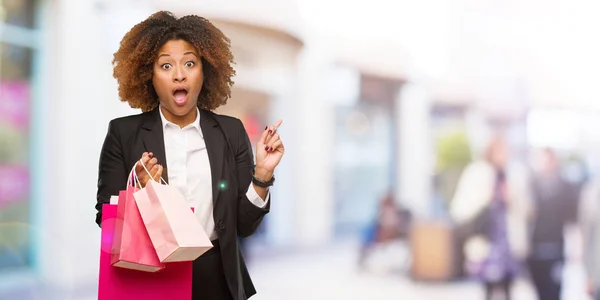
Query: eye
pixel 165 66
pixel 190 64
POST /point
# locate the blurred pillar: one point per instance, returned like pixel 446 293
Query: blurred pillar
pixel 414 166
pixel 314 134
pixel 69 239
pixel 78 99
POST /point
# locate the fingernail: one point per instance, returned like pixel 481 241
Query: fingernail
pixel 270 131
pixel 270 148
pixel 266 127
pixel 266 148
pixel 150 154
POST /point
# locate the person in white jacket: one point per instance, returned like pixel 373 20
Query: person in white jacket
pixel 491 206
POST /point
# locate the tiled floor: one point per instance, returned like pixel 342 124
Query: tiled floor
pixel 329 273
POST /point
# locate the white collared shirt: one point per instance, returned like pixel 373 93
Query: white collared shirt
pixel 189 170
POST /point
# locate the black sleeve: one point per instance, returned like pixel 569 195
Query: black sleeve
pixel 112 174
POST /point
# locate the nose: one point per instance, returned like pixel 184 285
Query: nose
pixel 179 75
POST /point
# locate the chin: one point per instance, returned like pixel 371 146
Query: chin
pixel 179 111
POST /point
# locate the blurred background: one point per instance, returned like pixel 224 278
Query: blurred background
pixel 434 148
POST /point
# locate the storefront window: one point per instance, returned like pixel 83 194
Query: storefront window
pixel 17 12
pixel 15 104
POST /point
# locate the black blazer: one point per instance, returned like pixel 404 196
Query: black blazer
pixel 231 160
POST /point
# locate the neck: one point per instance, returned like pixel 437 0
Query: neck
pixel 180 121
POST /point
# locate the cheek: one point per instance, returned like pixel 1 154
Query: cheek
pixel 197 75
pixel 159 83
pixel 199 80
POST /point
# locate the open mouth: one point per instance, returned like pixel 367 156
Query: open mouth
pixel 180 95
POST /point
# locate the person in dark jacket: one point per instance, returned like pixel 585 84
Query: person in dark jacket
pixel 555 201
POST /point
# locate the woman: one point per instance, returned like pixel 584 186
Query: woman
pixel 555 202
pixel 491 202
pixel 385 228
pixel 177 70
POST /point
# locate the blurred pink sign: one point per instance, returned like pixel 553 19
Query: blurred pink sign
pixel 14 183
pixel 14 103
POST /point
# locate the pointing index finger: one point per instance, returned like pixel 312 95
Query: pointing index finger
pixel 277 124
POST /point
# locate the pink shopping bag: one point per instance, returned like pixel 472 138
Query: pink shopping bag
pixel 174 282
pixel 174 230
pixel 132 247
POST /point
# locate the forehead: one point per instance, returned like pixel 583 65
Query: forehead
pixel 177 47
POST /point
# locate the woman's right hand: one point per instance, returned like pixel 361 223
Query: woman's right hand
pixel 152 165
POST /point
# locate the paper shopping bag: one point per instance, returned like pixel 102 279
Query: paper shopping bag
pixel 132 247
pixel 173 282
pixel 173 228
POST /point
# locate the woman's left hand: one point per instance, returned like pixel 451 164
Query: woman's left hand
pixel 269 151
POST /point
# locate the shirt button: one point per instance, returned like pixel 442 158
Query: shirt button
pixel 221 225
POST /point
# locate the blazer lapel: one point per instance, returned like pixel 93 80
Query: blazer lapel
pixel 215 146
pixel 153 139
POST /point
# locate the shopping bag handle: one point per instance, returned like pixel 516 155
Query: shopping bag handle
pixel 133 176
pixel 141 162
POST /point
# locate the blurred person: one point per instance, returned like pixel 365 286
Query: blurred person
pixel 389 224
pixel 555 206
pixel 177 70
pixel 490 206
pixel 589 221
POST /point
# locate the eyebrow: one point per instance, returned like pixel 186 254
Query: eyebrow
pixel 185 53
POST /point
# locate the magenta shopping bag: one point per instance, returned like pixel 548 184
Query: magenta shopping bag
pixel 174 282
